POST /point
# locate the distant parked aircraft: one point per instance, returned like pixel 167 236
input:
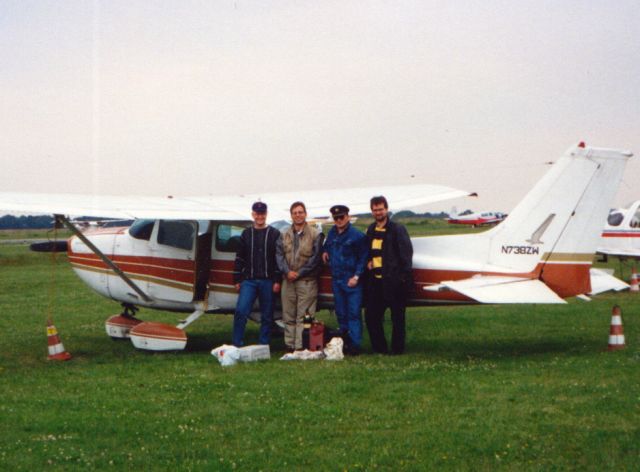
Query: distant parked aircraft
pixel 485 218
pixel 621 235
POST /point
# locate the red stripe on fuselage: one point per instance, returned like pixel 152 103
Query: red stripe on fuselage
pixel 621 234
pixel 171 269
pixel 565 278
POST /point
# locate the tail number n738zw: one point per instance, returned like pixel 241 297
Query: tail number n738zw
pixel 520 250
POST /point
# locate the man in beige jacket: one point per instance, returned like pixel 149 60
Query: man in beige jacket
pixel 298 255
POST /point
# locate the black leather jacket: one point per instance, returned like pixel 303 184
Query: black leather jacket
pixel 397 255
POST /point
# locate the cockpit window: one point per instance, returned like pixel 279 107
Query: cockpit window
pixel 615 218
pixel 141 229
pixel 178 234
pixel 228 237
pixel 635 221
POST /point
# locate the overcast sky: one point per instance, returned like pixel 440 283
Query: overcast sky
pixel 208 97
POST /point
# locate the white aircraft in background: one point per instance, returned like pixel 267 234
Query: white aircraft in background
pixel 178 255
pixel 621 235
pixel 484 218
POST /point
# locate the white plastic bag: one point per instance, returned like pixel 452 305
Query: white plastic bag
pixel 305 355
pixel 226 354
pixel 333 350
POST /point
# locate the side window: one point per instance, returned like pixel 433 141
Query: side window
pixel 175 233
pixel 141 229
pixel 635 221
pixel 228 237
pixel 615 218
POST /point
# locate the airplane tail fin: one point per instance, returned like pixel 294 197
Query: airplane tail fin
pixel 554 230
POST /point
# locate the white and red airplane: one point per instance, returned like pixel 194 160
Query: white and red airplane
pixel 484 218
pixel 621 235
pixel 178 254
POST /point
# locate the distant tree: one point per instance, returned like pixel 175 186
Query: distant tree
pixel 439 216
pixel 404 214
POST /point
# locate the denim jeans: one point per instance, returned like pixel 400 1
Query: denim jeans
pixel 250 289
pixel 348 302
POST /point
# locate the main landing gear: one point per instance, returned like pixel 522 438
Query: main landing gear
pixel 149 335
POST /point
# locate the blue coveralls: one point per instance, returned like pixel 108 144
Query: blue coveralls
pixel 348 252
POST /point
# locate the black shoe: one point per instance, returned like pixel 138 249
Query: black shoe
pixel 351 350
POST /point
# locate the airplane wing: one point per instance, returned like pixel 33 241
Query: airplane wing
pixel 501 289
pixel 223 207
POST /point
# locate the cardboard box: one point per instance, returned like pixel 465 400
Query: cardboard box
pixel 254 352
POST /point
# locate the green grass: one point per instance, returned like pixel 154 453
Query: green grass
pixel 480 388
pixel 6 234
pixel 417 226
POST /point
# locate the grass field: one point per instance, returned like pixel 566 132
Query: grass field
pixel 16 234
pixel 480 388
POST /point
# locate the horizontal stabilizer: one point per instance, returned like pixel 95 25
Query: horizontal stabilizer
pixel 500 289
pixel 602 280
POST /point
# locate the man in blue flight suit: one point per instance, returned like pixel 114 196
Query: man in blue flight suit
pixel 346 251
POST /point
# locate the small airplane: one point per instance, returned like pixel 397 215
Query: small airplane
pixel 178 254
pixel 621 234
pixel 485 218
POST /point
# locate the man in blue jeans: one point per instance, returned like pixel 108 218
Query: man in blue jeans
pixel 346 251
pixel 256 274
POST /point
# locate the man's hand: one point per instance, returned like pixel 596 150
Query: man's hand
pixel 276 287
pixel 237 286
pixel 292 276
pixel 370 265
pixel 325 257
pixel 353 281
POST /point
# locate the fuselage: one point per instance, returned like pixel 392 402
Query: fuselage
pixel 195 266
pixel 621 234
pixel 184 265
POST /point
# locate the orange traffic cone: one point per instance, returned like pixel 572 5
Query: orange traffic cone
pixel 633 283
pixel 616 334
pixel 56 349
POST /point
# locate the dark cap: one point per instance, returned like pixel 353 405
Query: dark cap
pixel 259 207
pixel 339 210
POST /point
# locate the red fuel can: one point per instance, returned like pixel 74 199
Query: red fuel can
pixel 316 336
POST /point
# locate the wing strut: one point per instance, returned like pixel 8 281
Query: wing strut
pixel 65 221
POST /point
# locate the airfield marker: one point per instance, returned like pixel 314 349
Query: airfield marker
pixel 634 281
pixel 616 334
pixel 56 348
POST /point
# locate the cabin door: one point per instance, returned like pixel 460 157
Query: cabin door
pixel 172 269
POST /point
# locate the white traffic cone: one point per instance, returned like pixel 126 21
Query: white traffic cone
pixel 633 283
pixel 56 349
pixel 616 334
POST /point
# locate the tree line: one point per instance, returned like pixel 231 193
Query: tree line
pixel 26 222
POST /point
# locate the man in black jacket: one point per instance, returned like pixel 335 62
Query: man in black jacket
pixel 390 278
pixel 256 274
